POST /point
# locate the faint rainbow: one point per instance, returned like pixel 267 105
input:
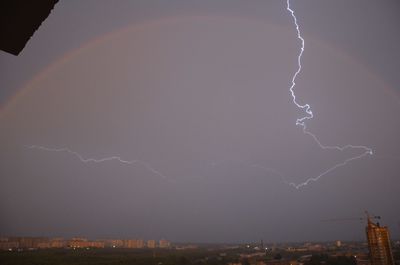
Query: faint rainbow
pixel 139 26
pixel 23 89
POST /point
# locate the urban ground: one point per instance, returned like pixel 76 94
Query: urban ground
pixel 207 254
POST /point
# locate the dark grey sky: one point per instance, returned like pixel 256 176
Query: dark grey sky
pixel 198 93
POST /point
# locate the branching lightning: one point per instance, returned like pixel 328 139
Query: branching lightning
pixel 309 115
pixel 99 160
pixel 299 122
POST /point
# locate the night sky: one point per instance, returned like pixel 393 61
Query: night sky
pixel 174 119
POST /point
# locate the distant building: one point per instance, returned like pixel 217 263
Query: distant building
pixel 5 245
pixel 30 242
pixel 43 245
pixel 140 243
pixel 338 243
pixel 84 243
pixel 151 243
pixel 315 247
pixel 133 243
pixel 129 243
pixel 114 243
pixel 58 242
pixel 164 243
pixel 379 244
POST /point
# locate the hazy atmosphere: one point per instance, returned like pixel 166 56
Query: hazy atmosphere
pixel 174 119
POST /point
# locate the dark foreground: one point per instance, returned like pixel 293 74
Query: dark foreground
pixel 205 256
pixel 114 256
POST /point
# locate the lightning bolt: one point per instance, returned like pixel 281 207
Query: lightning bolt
pixel 299 122
pixel 100 160
pixel 309 115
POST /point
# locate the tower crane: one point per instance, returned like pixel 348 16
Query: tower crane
pixel 368 218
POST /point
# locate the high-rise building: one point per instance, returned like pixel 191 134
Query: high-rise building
pixel 379 244
pixel 164 243
pixel 140 243
pixel 133 243
pixel 151 243
pixel 338 243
